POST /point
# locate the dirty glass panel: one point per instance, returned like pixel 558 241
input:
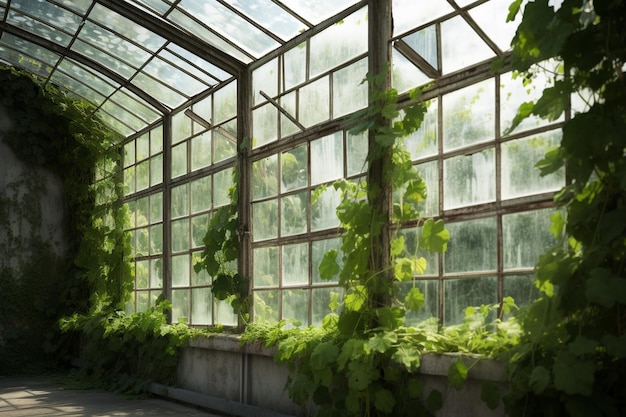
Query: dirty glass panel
pixel 356 153
pixel 265 78
pixel 472 246
pixel 265 267
pixel 349 93
pixel 142 274
pixel 314 99
pixel 296 306
pixel 180 235
pixel 405 75
pixel 338 43
pixel 222 182
pixel 324 209
pixel 294 168
pixel 429 172
pixel 295 264
pixel 293 215
pixel 316 11
pixel 224 313
pixel 457 39
pixel 173 76
pixel 180 306
pixel 142 208
pixel 266 306
pixel 201 194
pixel 423 142
pixel 179 160
pixel 294 66
pixel 143 242
pixel 321 301
pixel 492 18
pixel 265 122
pixel 469 180
pixel 410 236
pixel 201 151
pixel 158 90
pixel 188 68
pixel 519 176
pixel 287 127
pixel 424 42
pixel 265 220
pixel 468 115
pixel 272 17
pixel 115 46
pixel 156 239
pixel 199 227
pixel 202 277
pixel 467 292
pixel 143 301
pixel 318 249
pixel 201 306
pixel 180 270
pixel 225 103
pixel 430 290
pixel 143 175
pixel 525 236
pixel 156 207
pixel 156 170
pixel 181 127
pixel 521 288
pixel 129 153
pixel 265 177
pixel 130 102
pixel 513 93
pixel 327 158
pixel 156 273
pixel 405 17
pixel 38 28
pixel 142 147
pixel 180 201
pixel 86 92
pixel 225 141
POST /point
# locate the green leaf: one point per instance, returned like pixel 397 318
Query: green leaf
pixel 408 356
pixel 457 374
pixel 490 394
pixel 328 266
pixel 525 109
pixel 361 375
pixel 582 346
pixel 384 400
pixel 557 224
pixel 323 355
pixel 552 102
pixel 615 345
pixel 513 10
pixel 434 401
pixel 539 379
pixel 434 236
pixel 390 317
pixel 414 300
pixel 600 287
pixel 355 301
pixel 572 375
pixel 397 245
pixel 382 342
pixel 553 161
pixel 352 349
pixel 415 388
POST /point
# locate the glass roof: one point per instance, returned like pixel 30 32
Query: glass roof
pixel 136 60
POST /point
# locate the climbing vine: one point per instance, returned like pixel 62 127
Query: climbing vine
pixel 572 356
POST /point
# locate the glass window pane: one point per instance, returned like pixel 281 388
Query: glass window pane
pixel 225 102
pixel 468 115
pixel 318 249
pixel 202 306
pixel 265 220
pixel 179 160
pixel 143 147
pixel 142 247
pixel 224 314
pixel 223 181
pixel 321 299
pixel 469 180
pixel 202 277
pixel 295 66
pixel 156 170
pixel 180 306
pixel 265 267
pixel 520 177
pixel 143 211
pixel 430 173
pixel 349 92
pixel 491 17
pixel 180 235
pixel 521 288
pixel 156 207
pixel 143 175
pixel 314 99
pixel 457 38
pixel 324 209
pixel 467 292
pixel 293 215
pixel 525 236
pixel 201 194
pixel 265 122
pixel 423 142
pixel 181 127
pixel 156 239
pixel 199 225
pixel 266 306
pixel 180 201
pixel 129 179
pixel 430 290
pixel 295 264
pixel 156 273
pixel 356 153
pixel 404 74
pixel 265 177
pixel 225 141
pixel 327 158
pixel 142 274
pixel 201 151
pixel 180 271
pixel 129 153
pixel 296 306
pixel 289 103
pixel 265 78
pixel 405 18
pixel 294 168
pixel 472 246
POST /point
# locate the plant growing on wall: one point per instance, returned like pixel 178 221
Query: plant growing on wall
pixel 572 359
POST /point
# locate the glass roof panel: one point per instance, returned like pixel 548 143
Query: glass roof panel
pixel 457 37
pixel 188 68
pixel 79 6
pixel 28 55
pixel 126 27
pixel 47 12
pixel 105 60
pixel 407 17
pixel 271 16
pixel 230 25
pixel 320 10
pixel 77 88
pixel 158 90
pixel 158 6
pixel 113 45
pixel 38 28
pixel 114 123
pixel 173 76
pixel 103 85
pixel 123 115
pixel 206 66
pixel 491 18
pixel 132 103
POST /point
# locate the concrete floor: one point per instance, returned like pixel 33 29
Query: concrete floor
pixel 43 396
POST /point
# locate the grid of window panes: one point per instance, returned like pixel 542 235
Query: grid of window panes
pixel 143 179
pixel 481 179
pixel 293 202
pixel 204 138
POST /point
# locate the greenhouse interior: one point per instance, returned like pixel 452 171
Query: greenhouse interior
pixel 332 208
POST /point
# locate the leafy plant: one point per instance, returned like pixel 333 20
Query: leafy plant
pixel 572 356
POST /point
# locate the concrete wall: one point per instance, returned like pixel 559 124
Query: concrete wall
pixel 253 385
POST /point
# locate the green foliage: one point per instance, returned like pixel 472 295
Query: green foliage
pixel 570 361
pixel 124 352
pixel 56 133
pixel 221 250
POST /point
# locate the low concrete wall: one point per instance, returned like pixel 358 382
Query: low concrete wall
pixel 223 375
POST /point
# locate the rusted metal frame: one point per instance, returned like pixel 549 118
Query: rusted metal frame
pixel 282 110
pixel 167 210
pixel 416 59
pixel 182 38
